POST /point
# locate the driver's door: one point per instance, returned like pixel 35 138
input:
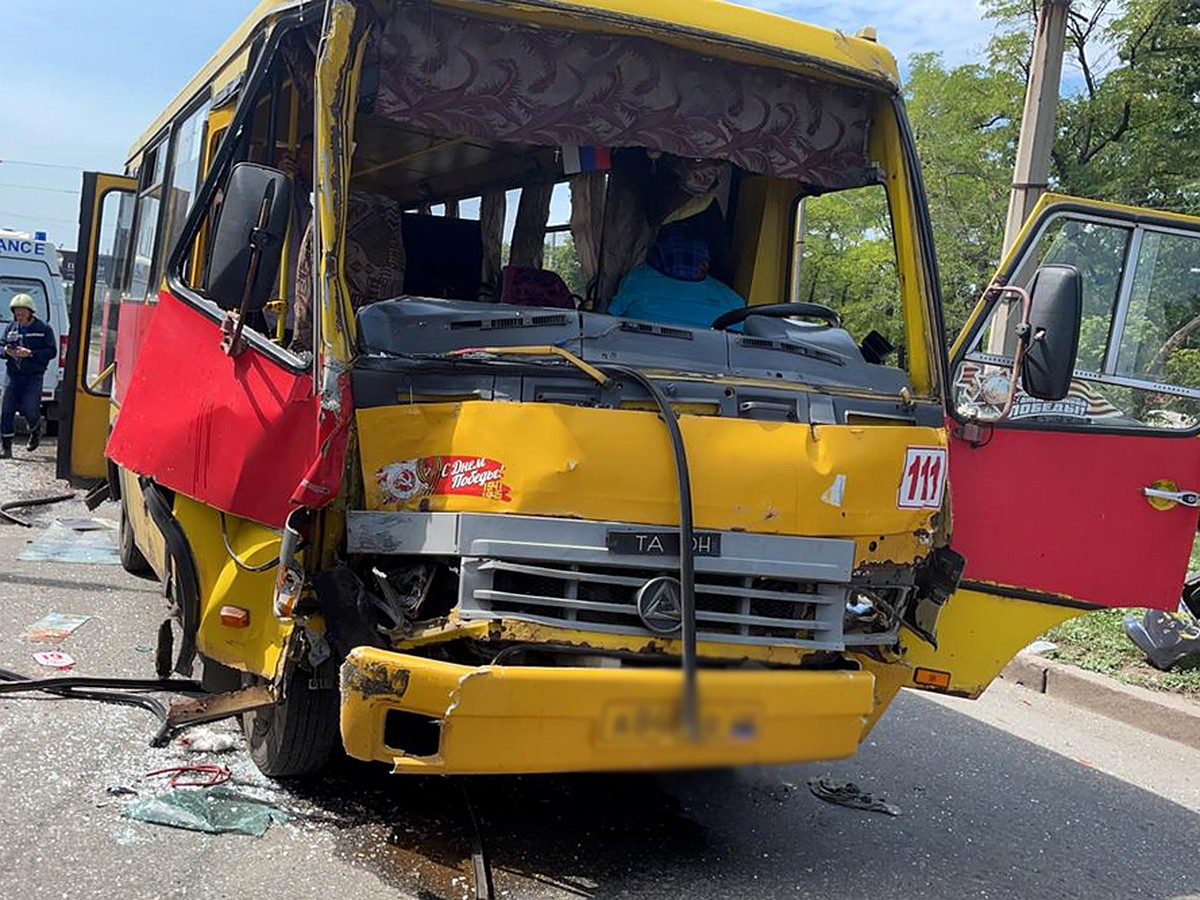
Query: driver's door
pixel 1052 503
pixel 105 217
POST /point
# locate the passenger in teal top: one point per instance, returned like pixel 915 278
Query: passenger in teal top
pixel 673 285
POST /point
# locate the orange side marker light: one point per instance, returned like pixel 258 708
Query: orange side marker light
pixel 932 678
pixel 235 616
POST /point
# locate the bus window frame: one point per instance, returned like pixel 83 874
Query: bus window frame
pixel 162 141
pixel 197 103
pixel 85 341
pixel 235 142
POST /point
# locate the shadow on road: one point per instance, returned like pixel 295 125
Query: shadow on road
pixel 985 814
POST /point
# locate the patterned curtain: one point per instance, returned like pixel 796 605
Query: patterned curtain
pixel 491 226
pixel 529 233
pixel 587 220
pixel 450 74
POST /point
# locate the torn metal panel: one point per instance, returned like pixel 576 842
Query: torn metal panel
pixel 214 707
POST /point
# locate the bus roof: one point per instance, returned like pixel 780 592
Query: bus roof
pixel 728 22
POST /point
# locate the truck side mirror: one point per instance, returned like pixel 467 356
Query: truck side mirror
pixel 248 241
pixel 1055 317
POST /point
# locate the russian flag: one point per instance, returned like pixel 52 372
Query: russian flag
pixel 578 159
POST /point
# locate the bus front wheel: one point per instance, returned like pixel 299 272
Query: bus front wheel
pixel 295 737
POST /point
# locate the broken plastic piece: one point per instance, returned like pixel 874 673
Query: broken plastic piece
pixel 218 811
pixel 54 659
pixel 1041 646
pixel 1168 639
pixel 206 740
pixel 53 628
pixel 850 795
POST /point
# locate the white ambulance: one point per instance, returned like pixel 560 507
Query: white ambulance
pixel 29 264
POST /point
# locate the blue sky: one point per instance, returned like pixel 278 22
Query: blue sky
pixel 82 79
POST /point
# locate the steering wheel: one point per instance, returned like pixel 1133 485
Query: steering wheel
pixel 777 311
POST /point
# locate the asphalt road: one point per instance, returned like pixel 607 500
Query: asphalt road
pixel 1013 797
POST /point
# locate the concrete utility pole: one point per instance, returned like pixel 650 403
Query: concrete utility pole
pixel 1037 122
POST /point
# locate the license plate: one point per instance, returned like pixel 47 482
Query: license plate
pixel 658 723
pixel 661 543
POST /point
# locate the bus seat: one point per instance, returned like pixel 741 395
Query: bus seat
pixel 525 286
pixel 444 256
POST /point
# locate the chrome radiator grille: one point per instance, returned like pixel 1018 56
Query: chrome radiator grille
pixel 729 608
pixel 757 589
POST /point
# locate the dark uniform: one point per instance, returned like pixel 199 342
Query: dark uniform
pixel 23 392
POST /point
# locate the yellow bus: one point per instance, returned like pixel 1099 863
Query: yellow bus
pixel 447 363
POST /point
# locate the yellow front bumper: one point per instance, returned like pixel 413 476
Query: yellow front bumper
pixel 521 719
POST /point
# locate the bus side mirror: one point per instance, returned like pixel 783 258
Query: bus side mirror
pixel 1055 317
pixel 248 242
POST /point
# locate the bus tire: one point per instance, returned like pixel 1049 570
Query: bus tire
pixel 132 560
pixel 296 737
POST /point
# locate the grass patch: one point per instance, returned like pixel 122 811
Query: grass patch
pixel 1097 642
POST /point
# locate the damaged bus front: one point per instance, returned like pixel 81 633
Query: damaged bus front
pixel 491 415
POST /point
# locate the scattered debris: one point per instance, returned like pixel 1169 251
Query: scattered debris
pixel 54 659
pixel 54 628
pixel 206 740
pixel 119 790
pixel 1167 638
pixel 6 515
pixel 1041 646
pixel 57 543
pixel 214 775
pixel 218 811
pixel 850 795
pixel 84 523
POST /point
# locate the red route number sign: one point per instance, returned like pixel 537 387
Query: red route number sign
pixel 924 478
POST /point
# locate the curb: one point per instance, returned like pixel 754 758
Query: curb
pixel 1166 715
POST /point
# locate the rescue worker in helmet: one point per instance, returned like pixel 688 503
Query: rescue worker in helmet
pixel 29 346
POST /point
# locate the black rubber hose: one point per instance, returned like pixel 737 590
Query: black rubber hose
pixel 186 580
pixel 237 560
pixel 687 562
pixel 33 501
pixel 102 690
pixel 14 682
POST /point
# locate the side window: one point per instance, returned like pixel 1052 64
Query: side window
pixel 560 254
pixel 1098 251
pixel 182 181
pixel 112 247
pixel 1160 343
pixel 154 165
pixel 845 258
pixel 1139 347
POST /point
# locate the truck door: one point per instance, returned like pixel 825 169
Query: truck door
pixel 105 216
pixel 1091 500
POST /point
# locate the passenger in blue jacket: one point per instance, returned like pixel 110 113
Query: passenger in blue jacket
pixel 29 346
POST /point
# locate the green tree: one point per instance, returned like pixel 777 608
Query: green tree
pixel 562 258
pixel 1129 131
pixel 965 122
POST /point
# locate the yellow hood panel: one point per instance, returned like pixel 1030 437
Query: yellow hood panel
pixel 603 464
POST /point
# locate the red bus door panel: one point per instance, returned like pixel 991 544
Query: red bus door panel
pixel 236 433
pixel 1063 513
pixel 1051 503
